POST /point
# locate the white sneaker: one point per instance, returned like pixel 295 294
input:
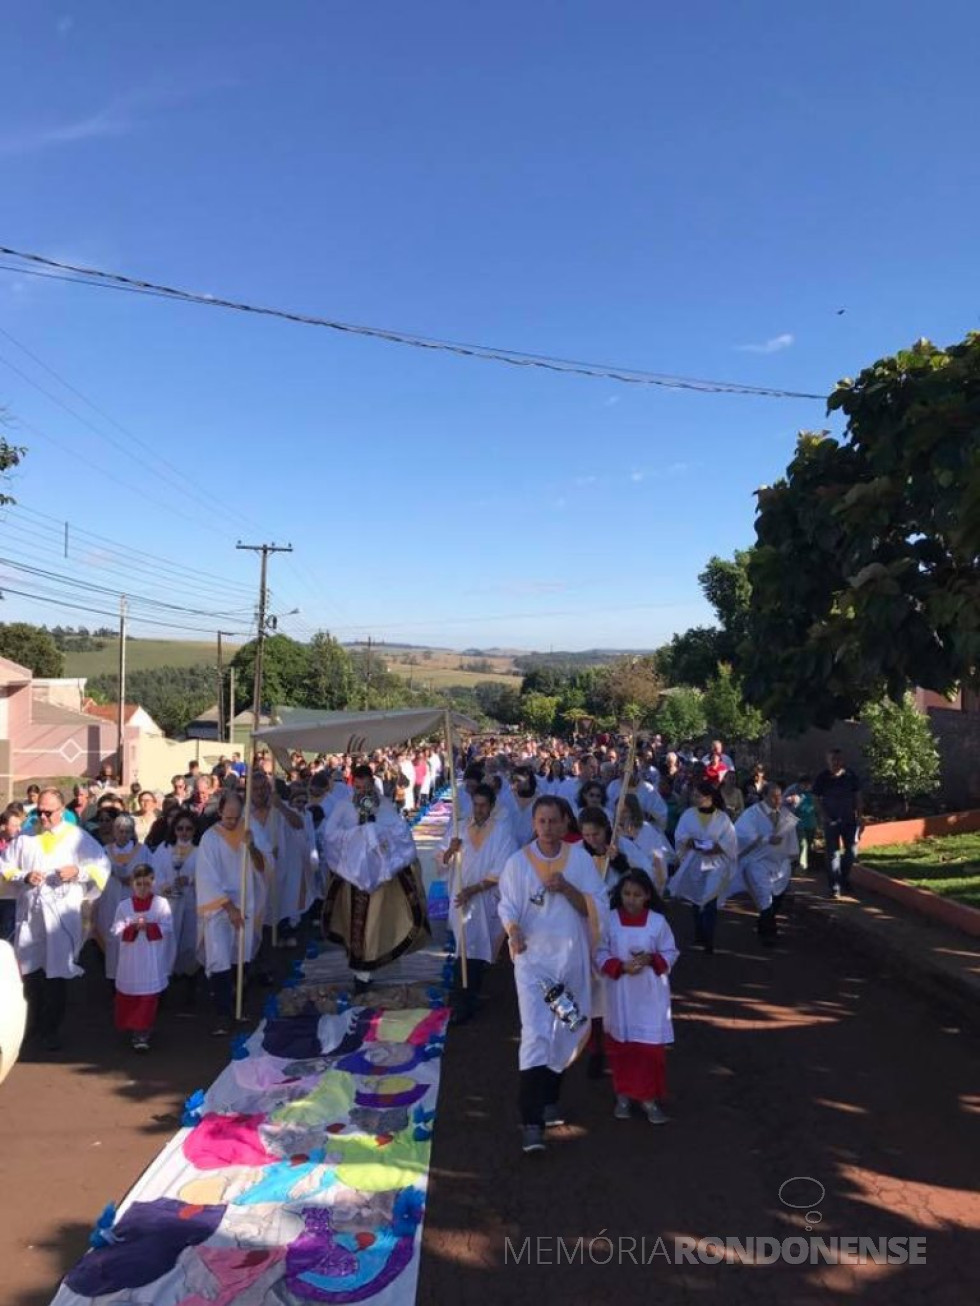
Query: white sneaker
pixel 655 1114
pixel 622 1109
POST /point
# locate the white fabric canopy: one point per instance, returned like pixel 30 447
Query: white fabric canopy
pixel 360 732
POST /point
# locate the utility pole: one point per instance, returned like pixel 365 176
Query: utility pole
pixel 231 704
pixel 367 677
pixel 262 619
pixel 222 720
pixel 121 718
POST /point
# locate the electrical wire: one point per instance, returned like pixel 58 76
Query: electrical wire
pixel 102 612
pixel 514 358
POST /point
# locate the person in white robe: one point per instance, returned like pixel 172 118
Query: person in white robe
pixel 375 900
pixel 635 957
pixel 124 852
pixel 56 871
pixel 143 927
pixel 175 878
pixel 224 916
pixel 476 858
pixel 285 836
pixel 767 848
pixel 648 795
pixel 553 905
pixel 523 791
pixel 650 840
pixel 707 847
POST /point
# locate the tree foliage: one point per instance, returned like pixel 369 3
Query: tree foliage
pixel 727 713
pixel 902 754
pixel 173 696
pixel 692 658
pixel 31 647
pixel 329 681
pixel 538 712
pixel 726 584
pixel 865 577
pixel 681 717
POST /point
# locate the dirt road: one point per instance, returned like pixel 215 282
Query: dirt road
pixel 803 1062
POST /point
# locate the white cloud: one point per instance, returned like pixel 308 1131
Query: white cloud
pixel 636 477
pixel 611 402
pixel 64 25
pixel 582 481
pixel 119 117
pixel 771 346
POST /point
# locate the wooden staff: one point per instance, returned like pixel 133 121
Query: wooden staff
pixel 627 776
pixel 456 875
pixel 243 888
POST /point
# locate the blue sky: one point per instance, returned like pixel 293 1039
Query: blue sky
pixel 692 190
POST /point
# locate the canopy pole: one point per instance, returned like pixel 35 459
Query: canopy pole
pixel 456 875
pixel 243 885
pixel 627 775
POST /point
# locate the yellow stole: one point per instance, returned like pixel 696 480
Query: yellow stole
pixel 48 841
pixel 546 868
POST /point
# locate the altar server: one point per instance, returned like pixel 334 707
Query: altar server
pixel 708 850
pixel 143 928
pixel 767 847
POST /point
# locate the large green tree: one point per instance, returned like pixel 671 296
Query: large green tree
pixel 173 696
pixel 727 712
pixel 330 681
pixel 865 577
pixel 285 669
pixel 31 647
pixel 902 752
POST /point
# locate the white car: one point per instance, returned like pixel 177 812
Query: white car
pixel 13 1010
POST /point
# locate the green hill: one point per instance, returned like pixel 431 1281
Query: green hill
pixel 145 654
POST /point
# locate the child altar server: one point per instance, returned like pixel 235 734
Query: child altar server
pixel 142 928
pixel 635 957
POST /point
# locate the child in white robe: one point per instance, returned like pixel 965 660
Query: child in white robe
pixel 143 928
pixel 635 957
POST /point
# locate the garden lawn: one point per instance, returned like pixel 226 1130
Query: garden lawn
pixel 949 866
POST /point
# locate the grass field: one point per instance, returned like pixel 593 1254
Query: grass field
pixel 144 654
pixel 949 866
pixel 428 673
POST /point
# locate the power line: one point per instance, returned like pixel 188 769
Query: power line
pixel 75 582
pixel 512 357
pixel 102 612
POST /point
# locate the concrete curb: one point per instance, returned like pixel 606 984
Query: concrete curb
pixel 957 915
pixel 928 957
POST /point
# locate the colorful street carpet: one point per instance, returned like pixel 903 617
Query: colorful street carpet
pixel 300 1175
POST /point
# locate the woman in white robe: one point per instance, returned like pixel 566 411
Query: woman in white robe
pixel 767 848
pixel 175 872
pixel 553 904
pixel 222 912
pixel 125 852
pixel 650 840
pixel 478 857
pixel 708 850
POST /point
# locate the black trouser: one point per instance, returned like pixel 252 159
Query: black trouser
pixel 465 1000
pixel 46 1002
pixel 540 1087
pixel 222 993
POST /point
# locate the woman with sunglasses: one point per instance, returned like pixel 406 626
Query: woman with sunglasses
pixel 175 867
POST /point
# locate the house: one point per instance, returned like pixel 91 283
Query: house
pixel 136 718
pixel 42 739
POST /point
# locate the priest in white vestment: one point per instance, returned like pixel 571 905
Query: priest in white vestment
pixel 553 904
pixel 477 858
pixel 55 871
pixel 375 902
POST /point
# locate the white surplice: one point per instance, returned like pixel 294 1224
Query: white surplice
pixel 559 947
pixel 702 877
pixel 144 964
pixel 48 930
pixel 764 869
pixel 637 1007
pixel 121 861
pixel 219 874
pixel 171 860
pixel 483 856
pixel 371 854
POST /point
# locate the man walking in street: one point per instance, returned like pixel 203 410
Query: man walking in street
pixel 841 806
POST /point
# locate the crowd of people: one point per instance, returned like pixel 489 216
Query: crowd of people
pixel 566 852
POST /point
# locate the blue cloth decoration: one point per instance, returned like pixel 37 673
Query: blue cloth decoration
pixel 193 1109
pixel 102 1235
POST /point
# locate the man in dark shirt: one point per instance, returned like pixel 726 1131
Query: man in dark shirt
pixel 841 806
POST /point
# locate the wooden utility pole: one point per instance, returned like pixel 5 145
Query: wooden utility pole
pixel 121 717
pixel 262 619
